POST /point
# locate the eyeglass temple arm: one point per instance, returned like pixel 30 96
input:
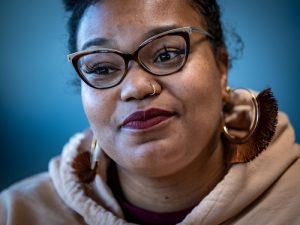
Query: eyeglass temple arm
pixel 202 31
pixel 71 56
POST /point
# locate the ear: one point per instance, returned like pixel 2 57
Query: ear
pixel 223 66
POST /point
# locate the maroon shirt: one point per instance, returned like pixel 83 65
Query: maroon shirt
pixel 138 215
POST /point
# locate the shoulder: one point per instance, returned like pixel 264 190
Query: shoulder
pixel 289 181
pixel 29 190
pixel 29 185
pixel 35 201
pixel 279 204
pixel 282 200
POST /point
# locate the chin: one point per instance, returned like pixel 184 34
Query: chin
pixel 153 159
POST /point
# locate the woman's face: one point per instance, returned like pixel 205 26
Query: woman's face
pixel 193 95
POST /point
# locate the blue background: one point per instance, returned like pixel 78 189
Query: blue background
pixel 40 109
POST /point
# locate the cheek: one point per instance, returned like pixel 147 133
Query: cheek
pixel 200 90
pixel 201 84
pixel 99 107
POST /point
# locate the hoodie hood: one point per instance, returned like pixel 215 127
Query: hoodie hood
pixel 241 186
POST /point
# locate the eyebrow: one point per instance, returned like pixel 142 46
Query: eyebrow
pixel 96 42
pixel 100 41
pixel 158 30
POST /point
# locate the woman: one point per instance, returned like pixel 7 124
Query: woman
pixel 168 141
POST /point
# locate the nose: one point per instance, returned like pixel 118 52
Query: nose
pixel 139 84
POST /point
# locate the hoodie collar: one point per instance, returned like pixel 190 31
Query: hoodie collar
pixel 242 185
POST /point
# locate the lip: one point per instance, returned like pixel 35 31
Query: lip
pixel 145 119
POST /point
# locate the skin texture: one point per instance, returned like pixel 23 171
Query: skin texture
pixel 158 167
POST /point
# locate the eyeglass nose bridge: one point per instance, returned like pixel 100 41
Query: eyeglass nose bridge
pixel 134 57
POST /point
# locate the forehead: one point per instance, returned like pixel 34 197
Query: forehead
pixel 128 21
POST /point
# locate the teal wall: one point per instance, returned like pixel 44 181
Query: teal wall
pixel 40 109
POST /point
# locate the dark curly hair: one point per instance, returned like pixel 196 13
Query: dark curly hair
pixel 209 9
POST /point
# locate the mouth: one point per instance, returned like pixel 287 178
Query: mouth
pixel 146 119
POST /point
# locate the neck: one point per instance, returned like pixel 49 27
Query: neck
pixel 178 191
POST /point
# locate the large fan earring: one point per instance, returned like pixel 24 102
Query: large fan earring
pixel 85 164
pixel 249 142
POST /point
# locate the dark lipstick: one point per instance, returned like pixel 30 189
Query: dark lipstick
pixel 146 119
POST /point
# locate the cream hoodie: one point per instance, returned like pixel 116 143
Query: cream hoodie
pixel 263 191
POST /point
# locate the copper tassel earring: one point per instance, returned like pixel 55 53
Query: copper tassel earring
pixel 85 164
pixel 261 130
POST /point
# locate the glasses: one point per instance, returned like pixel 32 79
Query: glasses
pixel 162 54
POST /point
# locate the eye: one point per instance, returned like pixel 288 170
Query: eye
pixel 168 56
pixel 100 69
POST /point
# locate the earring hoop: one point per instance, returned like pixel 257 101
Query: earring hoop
pixel 94 154
pixel 253 126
